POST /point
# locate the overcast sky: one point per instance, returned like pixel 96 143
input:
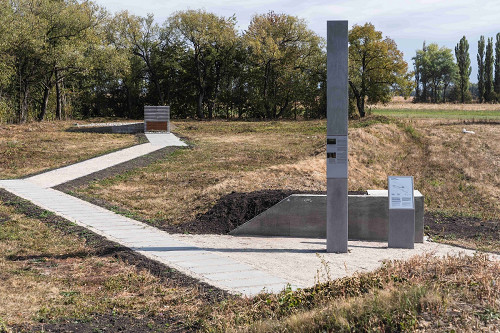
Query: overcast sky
pixel 409 23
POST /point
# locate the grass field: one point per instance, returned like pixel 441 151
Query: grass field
pixel 35 147
pixel 399 107
pixel 56 277
pixel 458 174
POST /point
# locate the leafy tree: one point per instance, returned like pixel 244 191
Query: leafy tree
pixel 480 68
pixel 497 67
pixel 376 67
pixel 421 63
pixel 488 72
pixel 441 70
pixel 464 67
pixel 285 61
pixel 210 39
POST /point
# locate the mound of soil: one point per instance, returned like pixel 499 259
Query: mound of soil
pixel 233 210
pixel 470 228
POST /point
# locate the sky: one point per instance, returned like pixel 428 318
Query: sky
pixel 408 23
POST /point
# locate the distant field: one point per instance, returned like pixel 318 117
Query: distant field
pixel 399 107
pixel 439 113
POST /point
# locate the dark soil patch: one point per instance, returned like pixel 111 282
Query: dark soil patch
pixel 109 323
pixel 100 246
pixel 439 225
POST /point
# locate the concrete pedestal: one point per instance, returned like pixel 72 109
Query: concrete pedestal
pixel 402 228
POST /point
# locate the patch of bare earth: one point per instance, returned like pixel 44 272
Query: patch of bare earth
pixel 34 147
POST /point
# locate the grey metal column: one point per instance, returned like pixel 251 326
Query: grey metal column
pixel 336 136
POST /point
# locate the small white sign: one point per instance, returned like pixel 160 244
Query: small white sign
pixel 401 192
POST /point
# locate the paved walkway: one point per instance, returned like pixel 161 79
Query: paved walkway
pixel 217 270
pixel 62 175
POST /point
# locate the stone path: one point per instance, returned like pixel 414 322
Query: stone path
pixel 62 175
pixel 214 269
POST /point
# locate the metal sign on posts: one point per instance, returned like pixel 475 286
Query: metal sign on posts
pixel 336 136
pixel 401 212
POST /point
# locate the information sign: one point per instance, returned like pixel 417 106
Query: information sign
pixel 401 192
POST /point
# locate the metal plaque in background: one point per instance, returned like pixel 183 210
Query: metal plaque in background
pixel 401 192
pixel 336 156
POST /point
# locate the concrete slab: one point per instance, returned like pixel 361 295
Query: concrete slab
pixel 235 267
pixel 304 261
pixel 147 240
pixel 304 215
pixel 164 139
pixel 177 258
pixel 261 282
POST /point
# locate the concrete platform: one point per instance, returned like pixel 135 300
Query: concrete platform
pixel 304 215
pixel 304 261
pixel 119 128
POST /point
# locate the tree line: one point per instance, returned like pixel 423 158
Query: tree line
pixel 442 76
pixel 63 59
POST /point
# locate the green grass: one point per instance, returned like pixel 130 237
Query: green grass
pixel 447 114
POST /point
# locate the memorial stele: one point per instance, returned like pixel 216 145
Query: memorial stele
pixel 336 137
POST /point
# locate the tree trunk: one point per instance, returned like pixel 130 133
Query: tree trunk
pixel 23 112
pixel 266 90
pixel 58 98
pixel 45 101
pixel 444 92
pixel 360 100
pixel 210 110
pixel 64 113
pixel 199 112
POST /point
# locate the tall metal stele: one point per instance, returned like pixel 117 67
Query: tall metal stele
pixel 336 136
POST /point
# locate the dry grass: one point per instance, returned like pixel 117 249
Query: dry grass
pixel 47 275
pixel 422 294
pixel 461 172
pixel 34 147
